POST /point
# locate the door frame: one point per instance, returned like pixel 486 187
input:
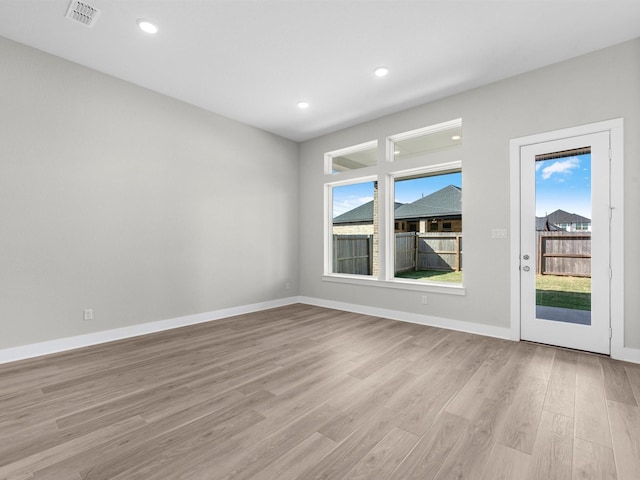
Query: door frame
pixel 616 244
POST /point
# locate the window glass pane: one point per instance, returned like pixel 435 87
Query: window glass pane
pixel 343 161
pixel 355 228
pixel 428 142
pixel 430 247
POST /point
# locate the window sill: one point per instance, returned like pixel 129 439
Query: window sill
pixel 432 287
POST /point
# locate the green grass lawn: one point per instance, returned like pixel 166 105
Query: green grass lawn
pixel 432 275
pixel 551 290
pixel 565 292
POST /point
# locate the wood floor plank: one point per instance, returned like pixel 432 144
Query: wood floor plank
pixel 592 461
pixel 633 374
pixel 561 391
pixel 521 425
pixel 432 450
pixel 252 397
pixel 507 382
pixel 340 461
pixel 466 402
pixel 248 462
pixel 471 454
pixel 552 457
pixel 541 363
pixel 36 461
pixel 163 450
pixel 384 457
pixel 505 463
pixel 616 382
pixel 112 448
pixel 625 433
pixel 290 465
pixel 591 420
pixel 367 406
pixel 419 418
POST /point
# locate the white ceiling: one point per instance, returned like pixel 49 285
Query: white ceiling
pixel 254 60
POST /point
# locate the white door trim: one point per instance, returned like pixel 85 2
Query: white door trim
pixel 615 129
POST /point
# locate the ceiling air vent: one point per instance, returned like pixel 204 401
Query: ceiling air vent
pixel 83 13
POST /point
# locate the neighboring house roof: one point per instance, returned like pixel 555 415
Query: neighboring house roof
pixel 544 225
pixel 445 202
pixel 560 216
pixel 361 214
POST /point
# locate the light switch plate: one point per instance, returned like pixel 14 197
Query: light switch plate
pixel 499 233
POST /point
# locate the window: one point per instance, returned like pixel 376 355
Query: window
pixel 416 201
pixel 427 140
pixel 429 200
pixel 352 158
pixel 354 232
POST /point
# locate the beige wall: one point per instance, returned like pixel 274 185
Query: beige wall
pixel 119 199
pixel 599 86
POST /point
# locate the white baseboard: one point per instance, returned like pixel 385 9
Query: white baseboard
pixel 70 343
pixel 469 327
pixel 630 355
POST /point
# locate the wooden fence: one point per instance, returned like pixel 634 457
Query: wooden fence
pixel 559 253
pixel 429 251
pixel 564 253
pixel 353 254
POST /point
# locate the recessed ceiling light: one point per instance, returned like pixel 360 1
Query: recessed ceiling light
pixel 303 105
pixel 456 137
pixel 146 26
pixel 381 71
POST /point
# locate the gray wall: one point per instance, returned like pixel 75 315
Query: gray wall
pixel 595 87
pixel 141 207
pixel 144 208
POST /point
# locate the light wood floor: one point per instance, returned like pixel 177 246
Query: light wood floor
pixel 303 392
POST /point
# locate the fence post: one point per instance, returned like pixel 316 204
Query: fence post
pixel 457 253
pixel 416 247
pixel 370 251
pixel 540 259
pixel 334 247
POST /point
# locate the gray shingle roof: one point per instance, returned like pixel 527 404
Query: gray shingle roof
pixel 560 216
pixel 445 202
pixel 363 214
pixel 544 225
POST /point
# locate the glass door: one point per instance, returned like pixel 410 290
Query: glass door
pixel 565 242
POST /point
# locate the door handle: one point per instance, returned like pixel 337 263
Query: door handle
pixel 526 268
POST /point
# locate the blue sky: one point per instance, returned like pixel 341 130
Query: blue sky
pixel 561 183
pixel 348 197
pixel 564 183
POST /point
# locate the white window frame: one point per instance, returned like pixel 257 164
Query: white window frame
pixel 328 224
pixel 419 132
pixel 329 156
pixel 384 172
pixel 437 169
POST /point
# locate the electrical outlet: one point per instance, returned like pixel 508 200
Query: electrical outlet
pixel 88 313
pixel 423 300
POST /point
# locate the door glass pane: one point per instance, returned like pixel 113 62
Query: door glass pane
pixel 563 233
